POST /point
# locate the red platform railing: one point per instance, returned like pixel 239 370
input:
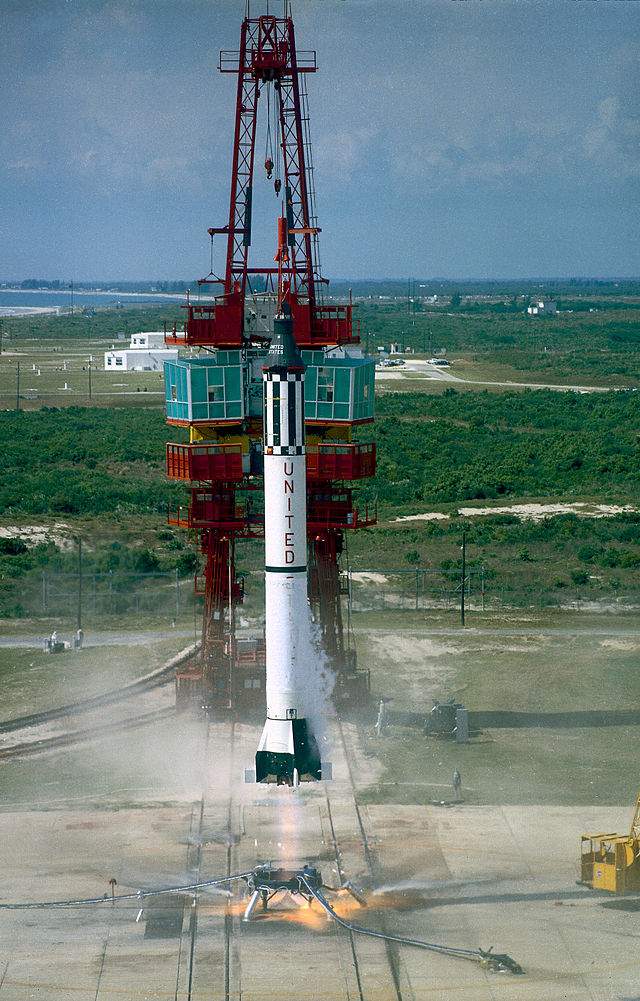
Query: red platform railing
pixel 334 323
pixel 220 511
pixel 207 512
pixel 342 516
pixel 341 461
pixel 216 322
pixel 219 323
pixel 198 461
pixel 178 515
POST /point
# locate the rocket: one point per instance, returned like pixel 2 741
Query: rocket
pixel 287 752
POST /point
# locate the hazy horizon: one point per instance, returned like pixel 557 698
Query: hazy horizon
pixel 95 284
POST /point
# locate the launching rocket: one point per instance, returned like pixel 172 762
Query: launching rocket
pixel 287 752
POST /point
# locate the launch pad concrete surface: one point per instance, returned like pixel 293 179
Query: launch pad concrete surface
pixel 164 805
pixel 456 875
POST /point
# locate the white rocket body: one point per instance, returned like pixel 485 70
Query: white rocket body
pixel 287 752
pixel 285 581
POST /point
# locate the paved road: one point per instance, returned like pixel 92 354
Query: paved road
pixel 522 631
pixel 142 638
pixel 98 639
pixel 445 375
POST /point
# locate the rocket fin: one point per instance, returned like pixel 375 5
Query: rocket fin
pixel 287 747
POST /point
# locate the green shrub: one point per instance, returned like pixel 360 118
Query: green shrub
pixel 12 547
pixel 147 562
pixel 587 554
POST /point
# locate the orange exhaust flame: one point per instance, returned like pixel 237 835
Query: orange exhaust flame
pixel 285 907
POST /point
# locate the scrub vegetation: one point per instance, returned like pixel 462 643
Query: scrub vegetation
pixel 100 468
pixel 84 462
pixel 459 446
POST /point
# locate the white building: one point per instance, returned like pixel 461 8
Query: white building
pixel 146 353
pixel 542 308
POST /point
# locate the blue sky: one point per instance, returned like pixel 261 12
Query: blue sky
pixel 451 138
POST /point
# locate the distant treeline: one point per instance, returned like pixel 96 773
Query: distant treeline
pixel 416 288
pixel 99 323
pixel 397 288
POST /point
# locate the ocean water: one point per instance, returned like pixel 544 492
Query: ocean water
pixel 21 303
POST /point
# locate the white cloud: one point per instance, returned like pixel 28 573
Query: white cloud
pixel 343 153
pixel 104 103
pixel 611 142
pixel 25 164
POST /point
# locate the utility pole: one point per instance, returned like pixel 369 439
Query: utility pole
pixel 18 387
pixel 464 575
pixel 89 378
pixel 79 583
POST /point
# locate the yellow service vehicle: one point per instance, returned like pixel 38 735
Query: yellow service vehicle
pixel 612 861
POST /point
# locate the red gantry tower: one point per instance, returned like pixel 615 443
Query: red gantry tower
pixel 216 391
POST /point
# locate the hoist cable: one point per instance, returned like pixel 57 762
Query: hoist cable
pixel 268 152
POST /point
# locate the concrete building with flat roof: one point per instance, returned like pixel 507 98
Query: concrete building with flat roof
pixel 146 353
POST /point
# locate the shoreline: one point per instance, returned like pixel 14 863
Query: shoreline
pixel 105 298
pixel 26 310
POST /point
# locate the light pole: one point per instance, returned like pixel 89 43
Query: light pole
pixel 464 575
pixel 79 583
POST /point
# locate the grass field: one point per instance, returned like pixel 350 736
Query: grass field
pixel 33 681
pixel 71 373
pixel 63 373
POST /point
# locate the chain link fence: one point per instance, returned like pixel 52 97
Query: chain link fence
pixel 419 590
pixel 103 595
pixel 414 590
pixel 114 593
